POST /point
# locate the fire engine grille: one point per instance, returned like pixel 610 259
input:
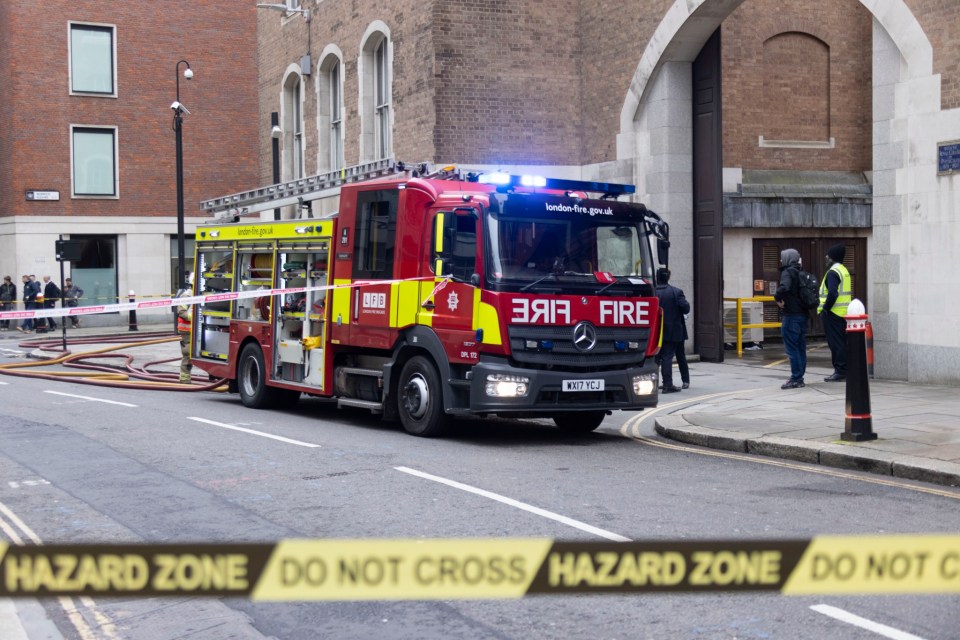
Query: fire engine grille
pixel 563 354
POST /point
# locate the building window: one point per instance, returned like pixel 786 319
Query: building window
pixel 382 92
pixel 336 118
pixel 92 67
pixel 330 112
pixel 96 271
pixel 94 154
pixel 188 247
pixel 375 95
pixel 293 127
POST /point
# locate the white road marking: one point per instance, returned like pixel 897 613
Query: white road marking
pixel 66 603
pixel 576 524
pixel 257 433
pixel 863 623
pixel 1 382
pixel 71 395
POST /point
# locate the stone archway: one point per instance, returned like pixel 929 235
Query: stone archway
pixel 656 134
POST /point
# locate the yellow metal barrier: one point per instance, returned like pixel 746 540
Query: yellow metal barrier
pixel 739 326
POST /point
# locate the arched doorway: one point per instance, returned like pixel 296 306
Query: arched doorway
pixel 656 134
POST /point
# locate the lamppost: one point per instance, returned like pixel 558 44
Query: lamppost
pixel 178 111
pixel 275 133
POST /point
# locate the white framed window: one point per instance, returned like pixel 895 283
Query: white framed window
pixel 375 71
pixel 330 154
pixel 93 159
pixel 336 117
pixel 293 138
pixel 381 81
pixel 93 55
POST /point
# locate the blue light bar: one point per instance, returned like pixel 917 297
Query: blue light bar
pixel 506 181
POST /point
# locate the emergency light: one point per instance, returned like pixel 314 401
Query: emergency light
pixel 505 181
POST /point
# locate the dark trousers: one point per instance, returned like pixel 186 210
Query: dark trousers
pixel 27 323
pixel 794 331
pixel 5 306
pixel 667 352
pixel 682 363
pixel 51 323
pixel 836 329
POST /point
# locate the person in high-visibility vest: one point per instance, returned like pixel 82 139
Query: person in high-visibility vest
pixel 836 291
pixel 184 325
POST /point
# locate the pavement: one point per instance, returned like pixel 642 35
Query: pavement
pixel 918 426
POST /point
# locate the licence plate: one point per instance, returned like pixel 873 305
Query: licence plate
pixel 583 385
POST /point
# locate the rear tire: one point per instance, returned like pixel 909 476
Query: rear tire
pixel 252 379
pixel 420 399
pixel 579 421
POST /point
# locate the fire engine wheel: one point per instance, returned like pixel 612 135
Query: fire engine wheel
pixel 252 379
pixel 421 399
pixel 579 421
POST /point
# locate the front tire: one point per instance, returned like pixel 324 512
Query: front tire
pixel 579 421
pixel 420 399
pixel 252 379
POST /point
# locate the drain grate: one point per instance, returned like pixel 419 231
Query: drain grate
pixel 327 475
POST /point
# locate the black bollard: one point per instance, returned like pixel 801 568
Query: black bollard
pixel 133 312
pixel 858 426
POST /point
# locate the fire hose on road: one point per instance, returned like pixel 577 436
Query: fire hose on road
pixel 125 375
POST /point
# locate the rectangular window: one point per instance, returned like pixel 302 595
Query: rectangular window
pixel 188 246
pixel 94 161
pixel 91 59
pixel 298 171
pixel 336 120
pixel 96 270
pixel 381 83
pixel 374 236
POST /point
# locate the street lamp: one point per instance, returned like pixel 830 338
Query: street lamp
pixel 178 111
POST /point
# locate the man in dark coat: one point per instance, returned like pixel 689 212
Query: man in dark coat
pixel 674 305
pixel 793 326
pixel 51 293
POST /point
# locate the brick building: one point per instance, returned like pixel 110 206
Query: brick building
pixel 751 125
pixel 87 127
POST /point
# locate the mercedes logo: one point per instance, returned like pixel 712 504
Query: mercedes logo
pixel 584 336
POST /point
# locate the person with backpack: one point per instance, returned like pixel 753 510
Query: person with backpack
pixel 793 326
pixel 836 292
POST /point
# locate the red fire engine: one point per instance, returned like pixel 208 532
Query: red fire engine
pixel 429 296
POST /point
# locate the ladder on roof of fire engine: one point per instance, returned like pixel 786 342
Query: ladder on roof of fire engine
pixel 297 191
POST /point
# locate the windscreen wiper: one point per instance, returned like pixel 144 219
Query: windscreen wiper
pixel 527 287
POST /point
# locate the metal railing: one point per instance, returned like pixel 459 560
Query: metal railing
pixel 739 326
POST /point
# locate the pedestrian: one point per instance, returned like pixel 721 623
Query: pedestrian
pixel 72 295
pixel 793 326
pixel 184 325
pixel 836 292
pixel 674 304
pixel 8 297
pixel 51 293
pixel 30 290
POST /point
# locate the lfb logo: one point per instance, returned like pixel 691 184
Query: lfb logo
pixel 375 300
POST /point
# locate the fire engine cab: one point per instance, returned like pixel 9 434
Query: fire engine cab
pixel 432 295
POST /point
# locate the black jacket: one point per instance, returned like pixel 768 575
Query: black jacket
pixel 51 293
pixel 8 292
pixel 674 305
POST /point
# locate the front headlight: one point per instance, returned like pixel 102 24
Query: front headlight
pixel 644 385
pixel 505 386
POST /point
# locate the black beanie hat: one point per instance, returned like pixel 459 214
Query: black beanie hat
pixel 836 252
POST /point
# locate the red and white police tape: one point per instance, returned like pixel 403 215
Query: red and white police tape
pixel 192 300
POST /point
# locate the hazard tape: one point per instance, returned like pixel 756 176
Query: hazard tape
pixel 453 569
pixel 163 303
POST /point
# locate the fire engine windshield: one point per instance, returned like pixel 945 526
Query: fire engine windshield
pixel 578 244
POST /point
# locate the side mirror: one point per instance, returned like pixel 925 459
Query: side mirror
pixel 663 251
